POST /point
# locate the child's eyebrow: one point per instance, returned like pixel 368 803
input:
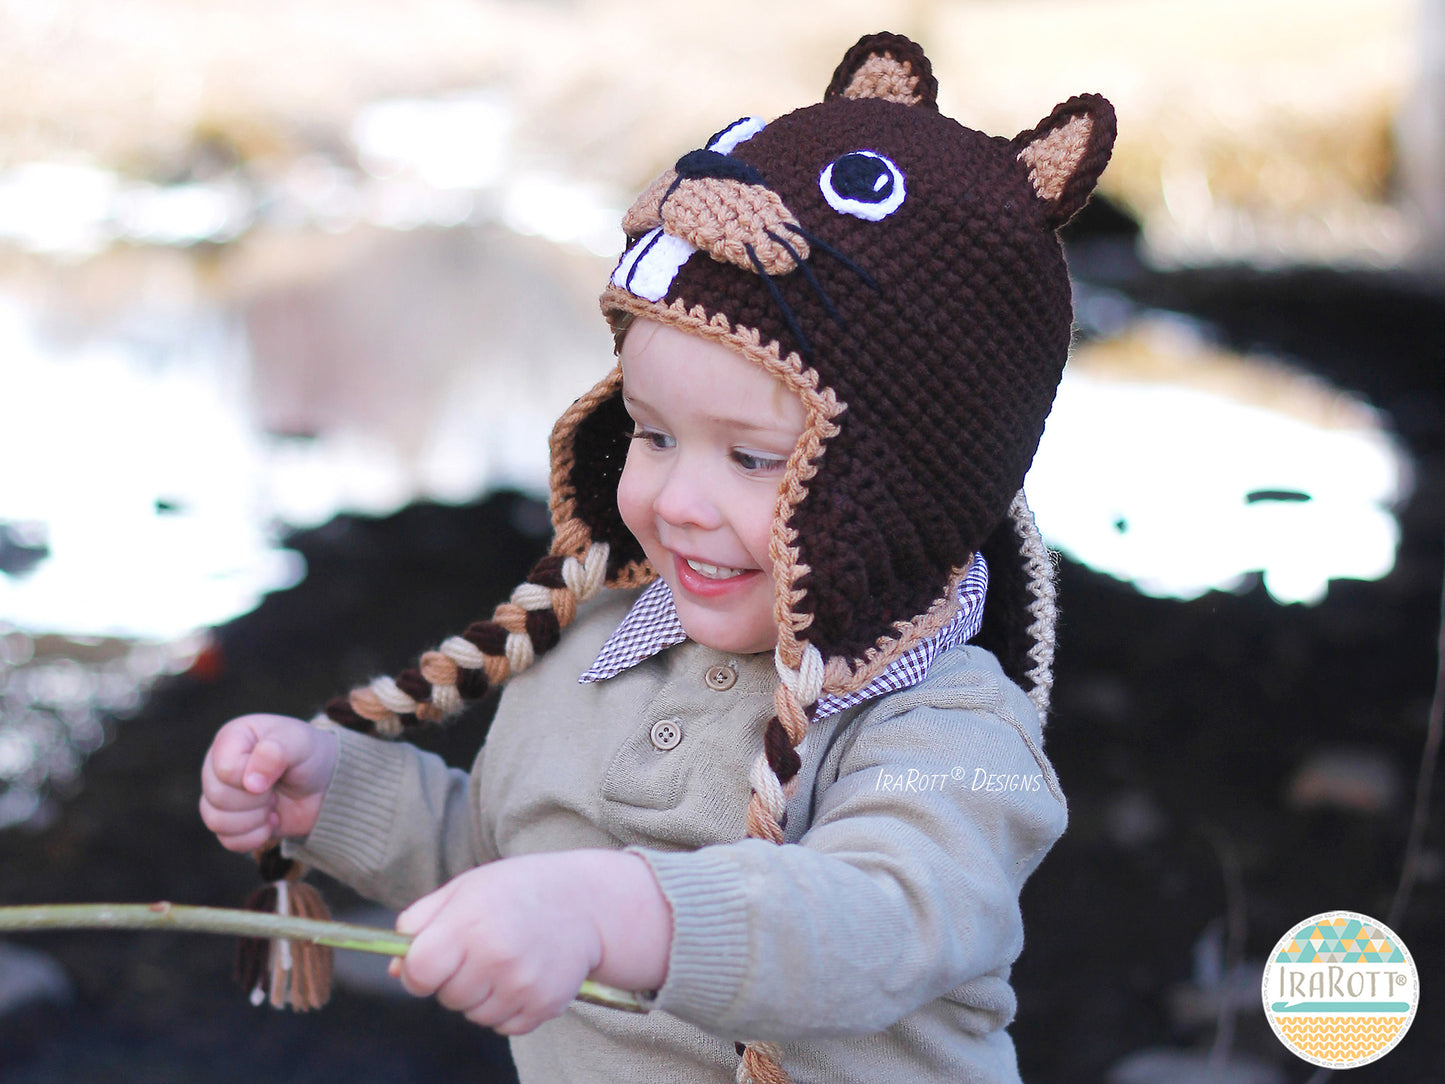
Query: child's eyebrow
pixel 722 420
pixel 745 424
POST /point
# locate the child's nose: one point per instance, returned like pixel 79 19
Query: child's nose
pixel 684 500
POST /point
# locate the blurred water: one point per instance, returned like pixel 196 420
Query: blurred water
pixel 194 365
pixel 1180 467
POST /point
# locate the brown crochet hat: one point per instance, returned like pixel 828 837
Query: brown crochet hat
pixel 902 273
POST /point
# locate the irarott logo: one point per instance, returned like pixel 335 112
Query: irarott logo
pixel 1340 990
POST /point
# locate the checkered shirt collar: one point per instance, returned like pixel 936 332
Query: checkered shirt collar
pixel 652 626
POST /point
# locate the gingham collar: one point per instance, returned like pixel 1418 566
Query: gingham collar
pixel 652 626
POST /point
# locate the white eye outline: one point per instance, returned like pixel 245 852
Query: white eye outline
pixel 871 212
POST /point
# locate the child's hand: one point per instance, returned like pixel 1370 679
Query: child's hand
pixel 509 943
pixel 263 779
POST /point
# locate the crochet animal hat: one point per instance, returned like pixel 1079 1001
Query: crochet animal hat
pixel 902 275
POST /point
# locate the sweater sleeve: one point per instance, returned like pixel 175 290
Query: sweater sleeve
pixel 395 823
pixel 904 888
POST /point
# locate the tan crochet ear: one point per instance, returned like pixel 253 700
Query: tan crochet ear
pixel 886 66
pixel 1066 152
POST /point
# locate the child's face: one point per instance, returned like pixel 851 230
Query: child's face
pixel 713 433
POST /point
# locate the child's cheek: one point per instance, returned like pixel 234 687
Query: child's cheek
pixel 634 501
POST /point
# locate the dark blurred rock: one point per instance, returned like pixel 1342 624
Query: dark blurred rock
pixel 1183 1067
pixel 1362 780
pixel 28 977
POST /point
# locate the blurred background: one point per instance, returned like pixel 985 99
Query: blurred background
pixel 291 293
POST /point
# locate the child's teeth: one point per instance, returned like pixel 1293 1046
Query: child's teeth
pixel 713 572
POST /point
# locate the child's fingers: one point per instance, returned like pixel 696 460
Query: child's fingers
pixel 435 954
pixel 221 795
pixel 431 963
pixel 420 914
pixel 519 1023
pixel 230 749
pixel 265 766
pixel 241 830
pixel 231 824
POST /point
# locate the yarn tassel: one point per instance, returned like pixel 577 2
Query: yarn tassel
pixel 284 972
pixel 762 1063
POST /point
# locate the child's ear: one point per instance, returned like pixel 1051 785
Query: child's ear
pixel 1066 152
pixel 886 66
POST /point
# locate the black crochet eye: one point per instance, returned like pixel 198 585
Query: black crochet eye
pixel 863 184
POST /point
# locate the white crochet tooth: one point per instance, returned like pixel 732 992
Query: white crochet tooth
pixel 648 267
pixel 736 134
pixel 462 652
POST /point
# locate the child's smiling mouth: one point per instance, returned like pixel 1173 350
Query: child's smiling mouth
pixel 704 580
pixel 714 572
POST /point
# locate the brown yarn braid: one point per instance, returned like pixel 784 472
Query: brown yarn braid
pixel 489 652
pixel 774 780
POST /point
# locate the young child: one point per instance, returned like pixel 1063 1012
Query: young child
pixel 763 777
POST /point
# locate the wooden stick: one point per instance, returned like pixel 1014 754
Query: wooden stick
pixel 239 923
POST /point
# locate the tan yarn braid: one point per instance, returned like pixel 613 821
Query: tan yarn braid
pixel 774 780
pixel 464 667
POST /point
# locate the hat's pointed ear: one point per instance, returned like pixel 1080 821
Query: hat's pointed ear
pixel 1066 153
pixel 886 66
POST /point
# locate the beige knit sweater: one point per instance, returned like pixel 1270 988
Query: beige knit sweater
pixel 874 945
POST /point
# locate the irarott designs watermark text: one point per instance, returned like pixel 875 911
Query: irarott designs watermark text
pixel 913 781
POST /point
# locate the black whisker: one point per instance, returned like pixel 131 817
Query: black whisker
pixel 818 242
pixel 812 278
pixel 777 295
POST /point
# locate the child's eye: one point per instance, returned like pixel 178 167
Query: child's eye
pixel 655 440
pixel 752 462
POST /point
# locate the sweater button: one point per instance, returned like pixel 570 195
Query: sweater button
pixel 721 678
pixel 665 734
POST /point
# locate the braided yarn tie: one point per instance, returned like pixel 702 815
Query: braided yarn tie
pixel 487 654
pixel 1044 607
pixel 806 682
pixel 773 778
